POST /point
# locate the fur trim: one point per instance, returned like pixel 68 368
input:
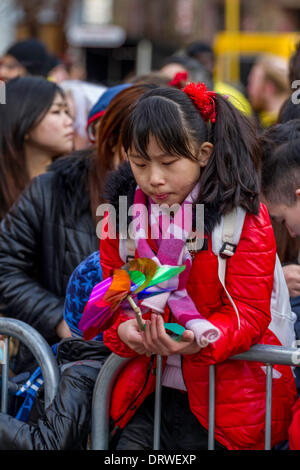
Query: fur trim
pixel 70 183
pixel 122 183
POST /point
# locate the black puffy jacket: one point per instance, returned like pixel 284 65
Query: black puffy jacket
pixel 44 236
pixel 66 423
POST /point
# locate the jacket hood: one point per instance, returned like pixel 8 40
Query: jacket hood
pixel 81 283
pixel 122 183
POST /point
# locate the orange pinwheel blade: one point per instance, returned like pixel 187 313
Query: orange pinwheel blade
pixel 119 288
pixel 146 266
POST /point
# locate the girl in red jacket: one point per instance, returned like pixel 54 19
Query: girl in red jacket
pixel 183 147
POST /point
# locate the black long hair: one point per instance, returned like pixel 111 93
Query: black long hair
pixel 231 177
pixel 28 99
pixel 289 110
pixel 272 138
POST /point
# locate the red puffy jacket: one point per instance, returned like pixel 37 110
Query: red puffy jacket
pixel 240 385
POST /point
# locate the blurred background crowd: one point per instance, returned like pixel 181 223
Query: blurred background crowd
pixel 107 42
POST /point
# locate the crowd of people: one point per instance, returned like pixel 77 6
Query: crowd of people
pixel 173 136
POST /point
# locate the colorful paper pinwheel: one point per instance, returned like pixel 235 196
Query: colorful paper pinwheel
pixel 132 283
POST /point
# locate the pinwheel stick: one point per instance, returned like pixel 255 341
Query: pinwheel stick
pixel 137 311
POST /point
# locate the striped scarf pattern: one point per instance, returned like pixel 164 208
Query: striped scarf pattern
pixel 171 235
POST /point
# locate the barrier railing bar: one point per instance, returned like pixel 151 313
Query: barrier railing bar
pixel 269 355
pixel 5 367
pixel 39 348
pixel 101 401
pixel 211 410
pixel 266 354
pixel 157 408
pixel 268 422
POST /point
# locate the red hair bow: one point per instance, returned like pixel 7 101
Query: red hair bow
pixel 203 99
pixel 179 80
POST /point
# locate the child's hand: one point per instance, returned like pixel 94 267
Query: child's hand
pixel 130 334
pixel 292 277
pixel 157 341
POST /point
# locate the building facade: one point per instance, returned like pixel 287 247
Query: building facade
pixel 108 34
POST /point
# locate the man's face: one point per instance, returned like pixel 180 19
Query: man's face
pixel 288 215
pixel 256 87
pixel 10 68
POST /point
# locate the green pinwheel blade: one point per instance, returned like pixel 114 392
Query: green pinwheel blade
pixel 137 277
pixel 176 329
pixel 146 266
pixel 163 273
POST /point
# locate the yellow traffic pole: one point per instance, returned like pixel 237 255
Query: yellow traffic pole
pixel 232 25
pixel 232 15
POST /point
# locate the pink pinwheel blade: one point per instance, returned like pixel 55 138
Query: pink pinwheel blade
pixel 91 313
pixel 97 311
pixel 100 289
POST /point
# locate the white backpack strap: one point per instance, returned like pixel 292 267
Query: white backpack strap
pixel 282 316
pixel 221 274
pixel 227 233
pixel 228 246
pixel 126 249
pixel 231 228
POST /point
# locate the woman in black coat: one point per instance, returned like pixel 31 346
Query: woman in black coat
pixel 27 147
pixel 27 126
pixel 44 236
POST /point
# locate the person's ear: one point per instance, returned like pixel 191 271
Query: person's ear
pixel 205 153
pixel 123 154
pixel 298 192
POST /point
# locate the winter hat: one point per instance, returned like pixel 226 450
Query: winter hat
pixel 52 62
pixel 32 54
pixel 100 106
pixel 87 274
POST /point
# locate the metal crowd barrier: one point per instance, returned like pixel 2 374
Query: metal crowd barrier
pixel 40 349
pixel 266 354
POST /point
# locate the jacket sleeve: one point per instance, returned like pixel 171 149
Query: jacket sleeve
pixel 66 422
pixel 109 251
pixel 22 295
pixel 249 281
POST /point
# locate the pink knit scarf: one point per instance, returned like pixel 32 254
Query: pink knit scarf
pixel 171 235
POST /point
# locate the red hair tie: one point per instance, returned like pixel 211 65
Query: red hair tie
pixel 203 99
pixel 179 80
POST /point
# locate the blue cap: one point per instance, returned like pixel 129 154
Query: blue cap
pixel 100 106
